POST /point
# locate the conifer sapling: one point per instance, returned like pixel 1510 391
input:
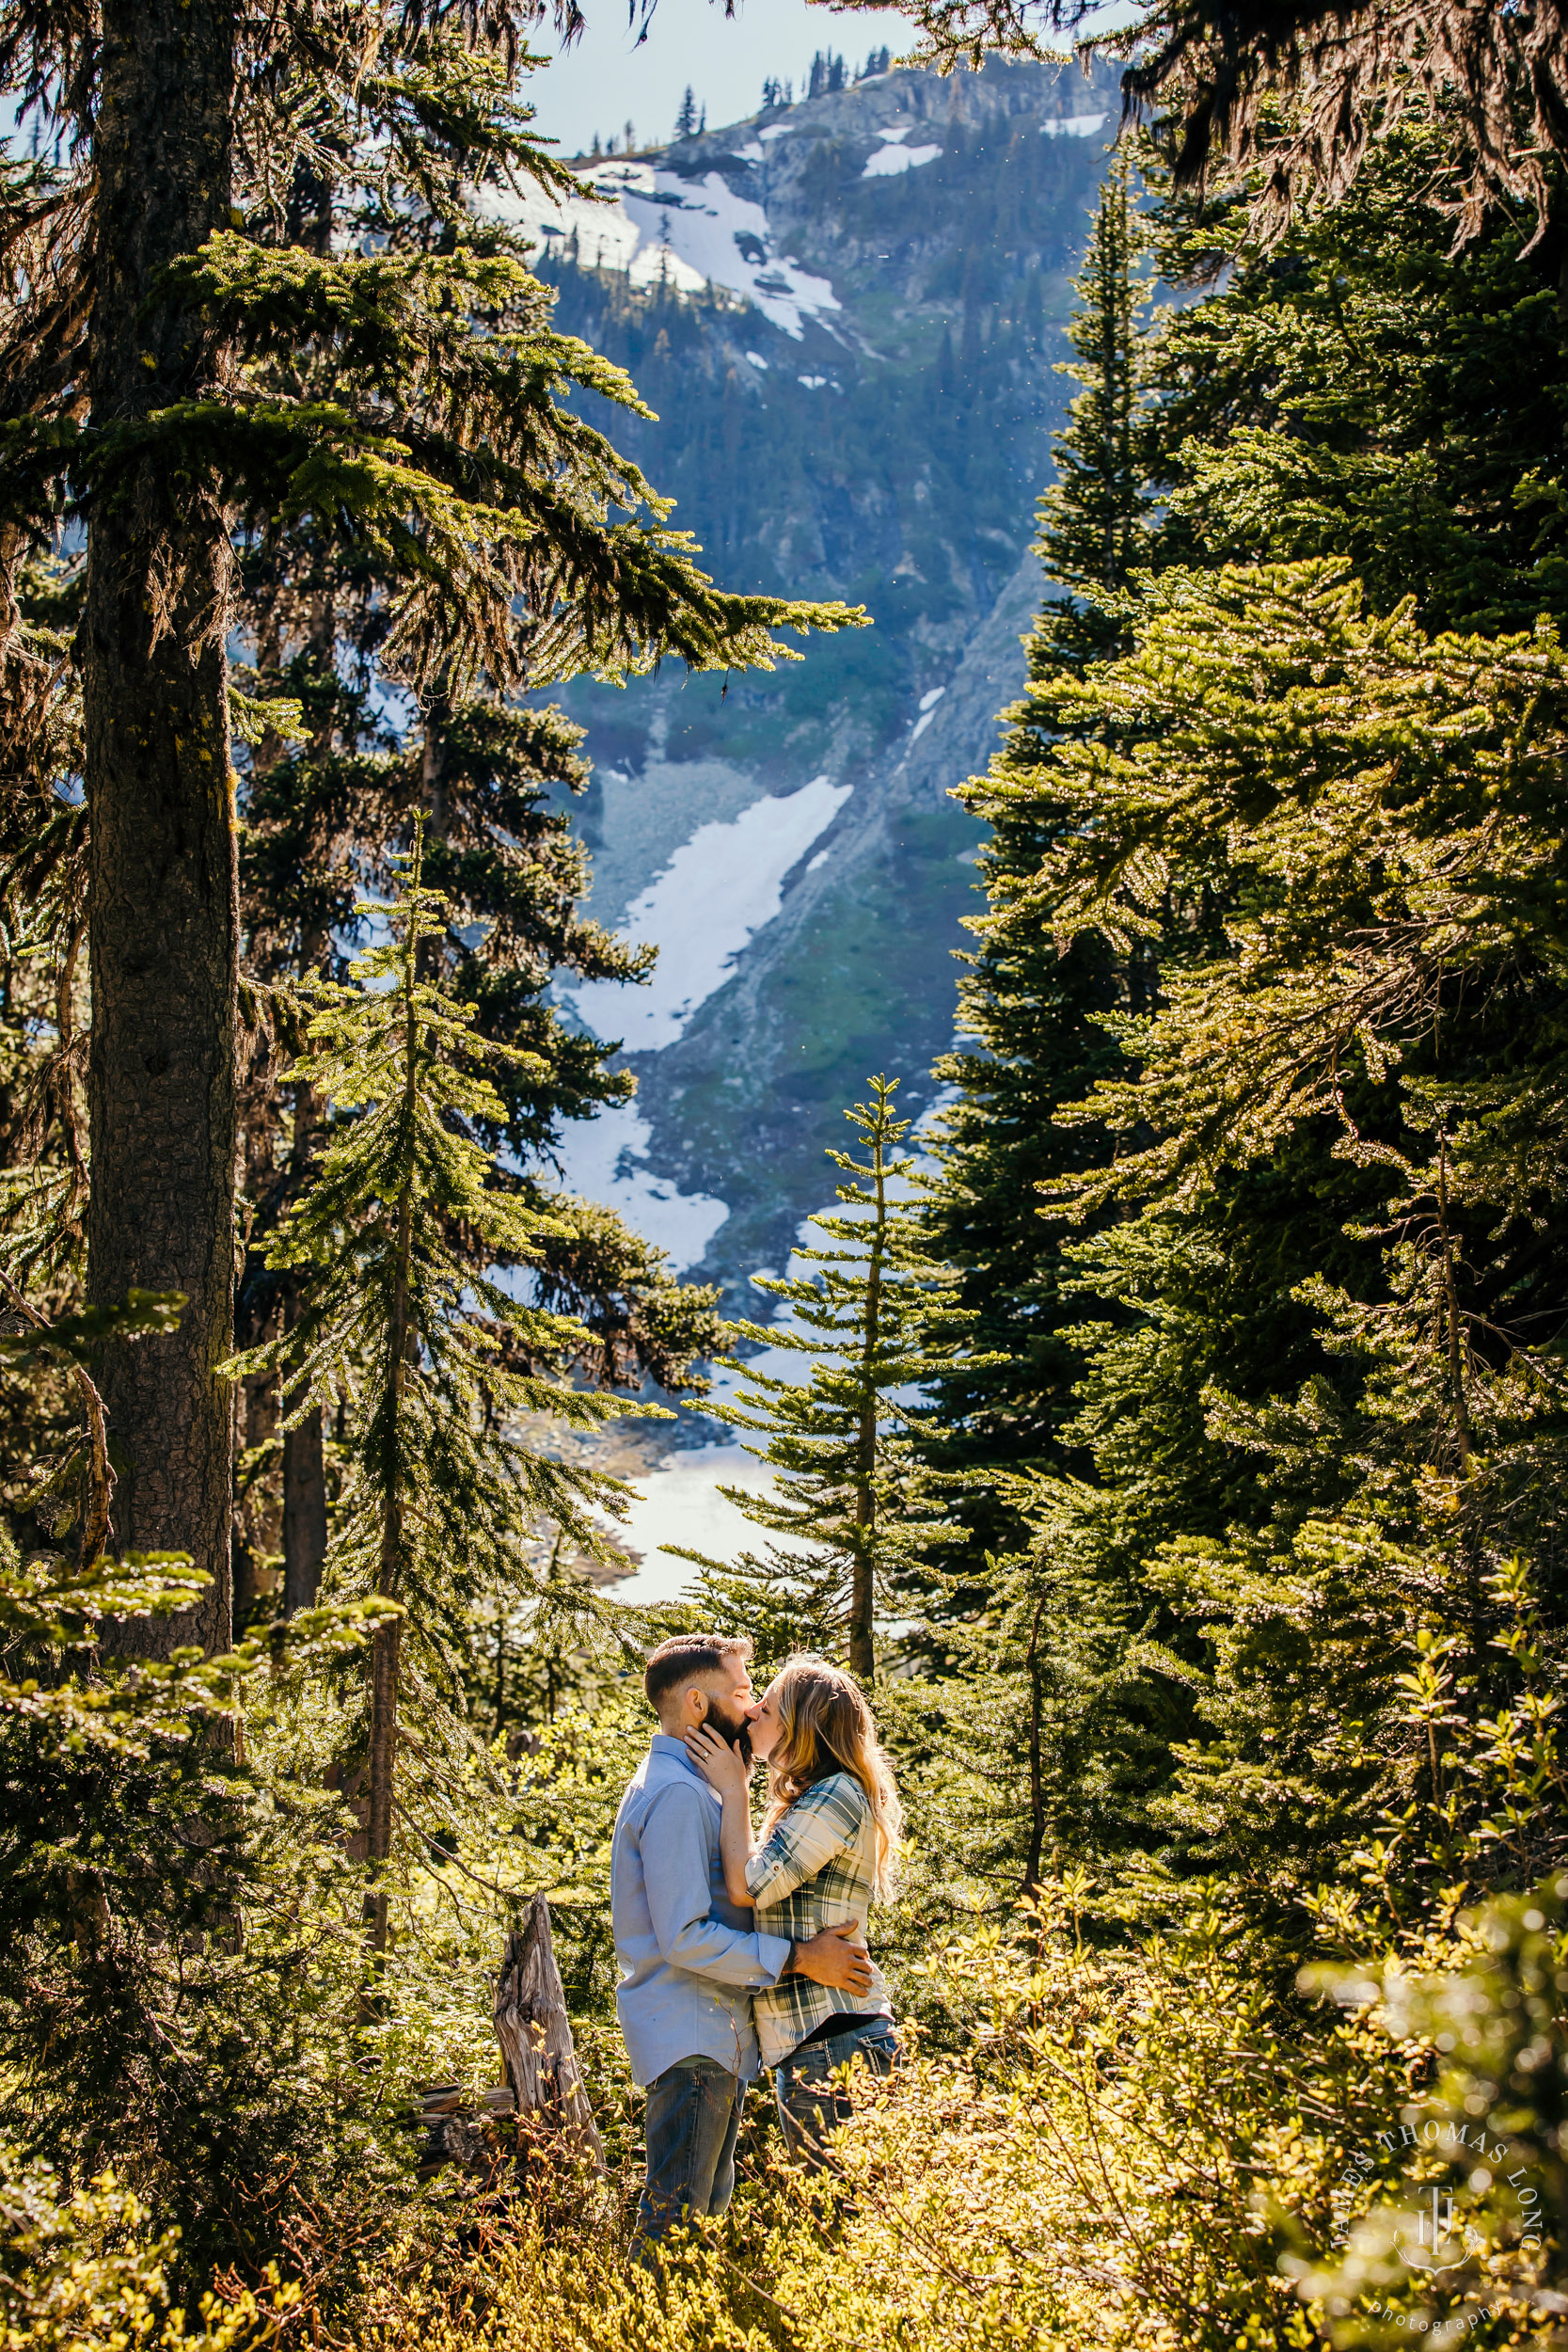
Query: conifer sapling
pixel 443 1365
pixel 874 1322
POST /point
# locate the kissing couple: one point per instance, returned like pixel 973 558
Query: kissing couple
pixel 738 1952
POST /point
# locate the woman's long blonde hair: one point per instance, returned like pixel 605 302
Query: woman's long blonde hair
pixel 826 1727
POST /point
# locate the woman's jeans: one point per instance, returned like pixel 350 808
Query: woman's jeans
pixel 810 2103
pixel 693 2115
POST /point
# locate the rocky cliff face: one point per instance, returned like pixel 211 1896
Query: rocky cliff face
pixel 846 314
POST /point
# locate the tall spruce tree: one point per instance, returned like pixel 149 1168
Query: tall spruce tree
pixel 1328 1414
pixel 1034 1002
pixel 198 362
pixel 1275 1387
pixel 446 1368
pixel 1270 1335
pixel 500 851
pixel 163 914
pixel 1095 516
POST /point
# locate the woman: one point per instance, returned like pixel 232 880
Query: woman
pixel 828 1849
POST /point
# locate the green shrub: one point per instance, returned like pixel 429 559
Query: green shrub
pixel 85 2271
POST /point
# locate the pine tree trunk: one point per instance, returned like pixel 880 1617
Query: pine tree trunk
pixel 383 1756
pixel 862 1593
pixel 303 1513
pixel 304 1446
pixel 257 1520
pixel 862 1585
pixel 163 888
pixel 387 1641
pixel 433 762
pixel 1036 1758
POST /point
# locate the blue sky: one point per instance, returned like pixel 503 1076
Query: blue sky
pixel 609 79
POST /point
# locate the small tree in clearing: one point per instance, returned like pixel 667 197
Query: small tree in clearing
pixel 875 1322
pixel 445 1502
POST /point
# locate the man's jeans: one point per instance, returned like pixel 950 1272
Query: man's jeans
pixel 693 2115
pixel 810 2103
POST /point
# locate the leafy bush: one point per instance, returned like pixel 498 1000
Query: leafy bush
pixel 1128 2152
pixel 83 2271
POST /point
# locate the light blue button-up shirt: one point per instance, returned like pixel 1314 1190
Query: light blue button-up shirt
pixel 689 1962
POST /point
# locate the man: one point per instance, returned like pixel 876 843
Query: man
pixel 688 1961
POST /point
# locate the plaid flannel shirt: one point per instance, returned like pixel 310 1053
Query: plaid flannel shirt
pixel 816 1870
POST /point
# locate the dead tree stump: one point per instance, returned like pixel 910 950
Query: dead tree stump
pixel 535 2036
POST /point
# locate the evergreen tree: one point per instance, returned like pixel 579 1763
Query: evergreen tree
pixel 501 853
pixel 447 1367
pixel 1039 1743
pixel 1033 1000
pixel 1095 516
pixel 202 363
pixel 875 1322
pixel 131 1830
pixel 1363 390
pixel 685 119
pixel 1326 1412
pixel 1274 1333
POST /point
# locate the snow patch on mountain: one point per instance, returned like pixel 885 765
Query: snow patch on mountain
pixel 927 711
pixel 717 890
pixel 891 159
pixel 1073 126
pixel 659 226
pixel 599 1160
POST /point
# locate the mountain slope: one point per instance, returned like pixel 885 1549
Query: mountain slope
pixel 846 314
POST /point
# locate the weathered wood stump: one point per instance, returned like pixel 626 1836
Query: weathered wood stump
pixel 535 2036
pixel 453 2133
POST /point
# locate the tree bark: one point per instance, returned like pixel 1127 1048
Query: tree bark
pixel 257 1519
pixel 535 2035
pixel 432 760
pixel 385 1660
pixel 303 1513
pixel 304 1446
pixel 862 1585
pixel 163 897
pixel 1036 1758
pixel 388 1641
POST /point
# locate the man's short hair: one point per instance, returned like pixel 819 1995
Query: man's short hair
pixel 687 1655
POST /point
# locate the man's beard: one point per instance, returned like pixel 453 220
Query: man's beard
pixel 731 1728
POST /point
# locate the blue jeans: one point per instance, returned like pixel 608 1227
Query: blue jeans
pixel 810 2103
pixel 693 2115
